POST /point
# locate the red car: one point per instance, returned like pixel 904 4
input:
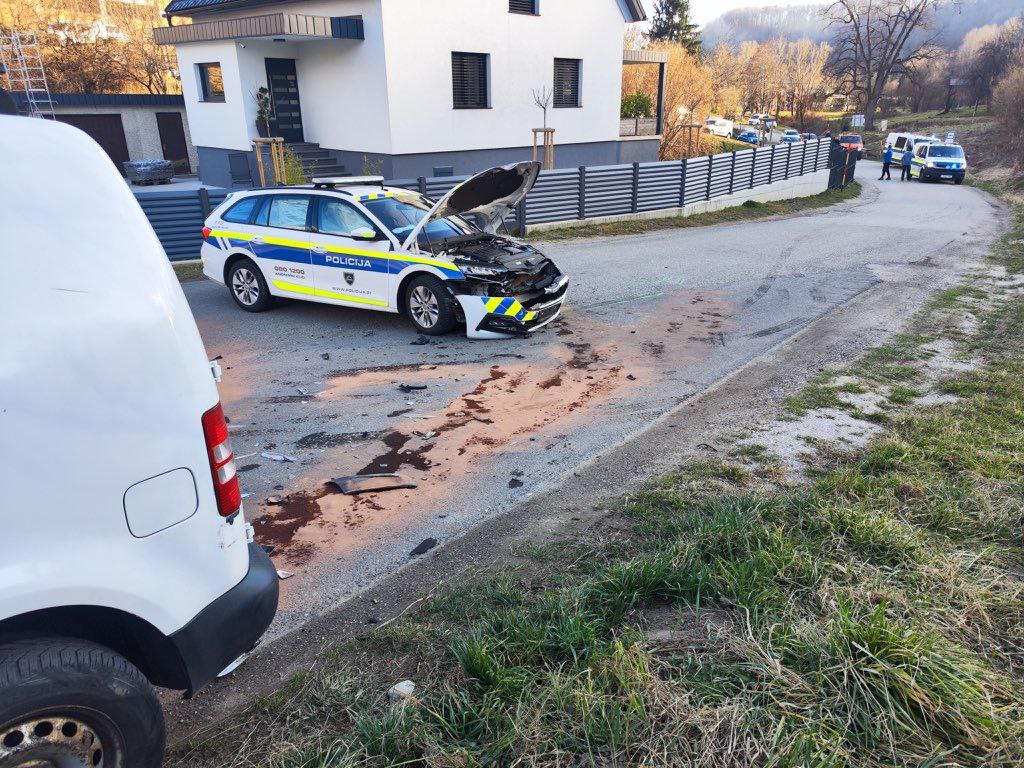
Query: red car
pixel 852 142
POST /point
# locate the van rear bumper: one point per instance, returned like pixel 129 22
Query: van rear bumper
pixel 230 625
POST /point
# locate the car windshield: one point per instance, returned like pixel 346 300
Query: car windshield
pixel 850 139
pixel 401 214
pixel 940 151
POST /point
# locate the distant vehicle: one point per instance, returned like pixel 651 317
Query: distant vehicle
pixel 853 142
pixel 718 126
pixel 758 119
pixel 901 142
pixel 749 137
pixel 808 136
pixel 939 161
pixel 127 559
pixel 790 136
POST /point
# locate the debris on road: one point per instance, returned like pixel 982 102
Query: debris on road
pixel 354 484
pixel 631 377
pixel 420 341
pixel 426 435
pixel 282 575
pixel 278 457
pixel 273 499
pixel 326 356
pixel 400 412
pixel 423 547
pixel 515 482
pixel 411 387
pixel 301 391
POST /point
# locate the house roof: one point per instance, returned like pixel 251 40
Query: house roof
pixel 110 99
pixel 634 8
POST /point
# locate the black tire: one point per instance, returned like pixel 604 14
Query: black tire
pixel 420 308
pixel 958 182
pixel 70 698
pixel 246 283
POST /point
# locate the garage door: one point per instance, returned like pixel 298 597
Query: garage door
pixel 106 130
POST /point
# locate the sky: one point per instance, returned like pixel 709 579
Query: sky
pixel 705 10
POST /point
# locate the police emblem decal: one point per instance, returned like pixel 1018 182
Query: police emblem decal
pixel 350 277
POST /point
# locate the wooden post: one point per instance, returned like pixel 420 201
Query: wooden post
pixel 546 144
pixel 276 144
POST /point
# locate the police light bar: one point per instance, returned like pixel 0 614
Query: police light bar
pixel 348 181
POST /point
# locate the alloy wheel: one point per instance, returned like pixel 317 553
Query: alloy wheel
pixel 246 286
pixel 423 306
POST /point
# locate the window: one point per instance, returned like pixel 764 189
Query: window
pixel 469 80
pixel 336 217
pixel 240 212
pixel 211 82
pixel 288 211
pixel 524 6
pixel 400 215
pixel 567 83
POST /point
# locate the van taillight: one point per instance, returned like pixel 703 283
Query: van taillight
pixel 222 462
pixel 206 232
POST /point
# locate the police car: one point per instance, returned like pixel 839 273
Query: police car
pixel 357 243
pixel 939 161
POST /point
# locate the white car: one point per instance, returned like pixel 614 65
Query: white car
pixel 358 243
pixel 939 162
pixel 125 556
pixel 718 126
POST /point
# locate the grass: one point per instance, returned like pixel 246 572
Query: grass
pixel 749 211
pixel 872 616
pixel 189 270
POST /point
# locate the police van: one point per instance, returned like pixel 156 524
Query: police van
pixel 354 242
pixel 939 161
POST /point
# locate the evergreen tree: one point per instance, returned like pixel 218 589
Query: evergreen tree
pixel 672 22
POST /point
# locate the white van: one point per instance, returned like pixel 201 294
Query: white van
pixel 900 142
pixel 718 126
pixel 125 558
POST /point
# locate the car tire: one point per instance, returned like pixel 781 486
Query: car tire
pixel 958 182
pixel 73 700
pixel 920 177
pixel 248 287
pixel 430 306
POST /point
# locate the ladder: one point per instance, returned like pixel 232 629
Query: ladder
pixel 21 60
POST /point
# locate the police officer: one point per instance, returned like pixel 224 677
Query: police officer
pixel 908 155
pixel 886 162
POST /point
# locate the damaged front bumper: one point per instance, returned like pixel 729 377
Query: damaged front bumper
pixel 502 317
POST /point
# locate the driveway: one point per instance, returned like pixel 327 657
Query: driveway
pixel 651 320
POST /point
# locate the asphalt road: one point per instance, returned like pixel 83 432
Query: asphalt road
pixel 651 320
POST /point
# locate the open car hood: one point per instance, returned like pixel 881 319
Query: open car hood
pixel 491 194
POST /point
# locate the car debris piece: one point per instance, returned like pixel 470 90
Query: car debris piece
pixel 515 482
pixel 282 575
pixel 420 341
pixel 423 547
pixel 326 356
pixel 411 387
pixel 302 391
pixel 355 484
pixel 402 692
pixel 278 457
pixel 273 499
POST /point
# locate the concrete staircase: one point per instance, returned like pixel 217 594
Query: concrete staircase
pixel 316 161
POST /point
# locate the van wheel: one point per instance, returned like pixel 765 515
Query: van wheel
pixel 430 306
pixel 920 176
pixel 958 181
pixel 70 702
pixel 247 286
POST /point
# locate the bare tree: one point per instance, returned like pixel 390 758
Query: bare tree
pixel 542 99
pixel 874 40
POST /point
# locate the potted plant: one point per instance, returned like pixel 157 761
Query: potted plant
pixel 264 111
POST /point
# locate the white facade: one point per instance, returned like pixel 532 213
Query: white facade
pixel 391 93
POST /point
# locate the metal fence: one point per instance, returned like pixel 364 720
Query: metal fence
pixel 562 194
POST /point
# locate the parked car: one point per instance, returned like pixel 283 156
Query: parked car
pixel 718 126
pixel 808 136
pixel 852 142
pixel 357 243
pixel 127 560
pixel 939 162
pixel 758 119
pixel 749 137
pixel 790 136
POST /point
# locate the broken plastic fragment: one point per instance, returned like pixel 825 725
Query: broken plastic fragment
pixel 282 575
pixel 411 387
pixel 402 692
pixel 278 457
pixel 423 547
pixel 354 484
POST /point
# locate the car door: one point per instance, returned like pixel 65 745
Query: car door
pixel 350 256
pixel 281 244
pixel 918 161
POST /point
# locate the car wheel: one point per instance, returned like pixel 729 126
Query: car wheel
pixel 70 702
pixel 247 286
pixel 920 176
pixel 430 306
pixel 958 181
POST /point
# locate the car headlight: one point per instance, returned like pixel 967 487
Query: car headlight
pixel 481 271
pixel 931 163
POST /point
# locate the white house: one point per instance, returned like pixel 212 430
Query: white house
pixel 405 88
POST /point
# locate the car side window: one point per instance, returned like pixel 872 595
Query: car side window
pixel 901 142
pixel 260 219
pixel 336 217
pixel 922 150
pixel 241 212
pixel 288 211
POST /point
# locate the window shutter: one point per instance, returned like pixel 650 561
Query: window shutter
pixel 523 6
pixel 469 80
pixel 567 83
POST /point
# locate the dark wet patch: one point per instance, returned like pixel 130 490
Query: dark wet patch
pixel 554 381
pixel 334 439
pixel 653 348
pixel 248 467
pixel 400 412
pixel 398 456
pixel 279 525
